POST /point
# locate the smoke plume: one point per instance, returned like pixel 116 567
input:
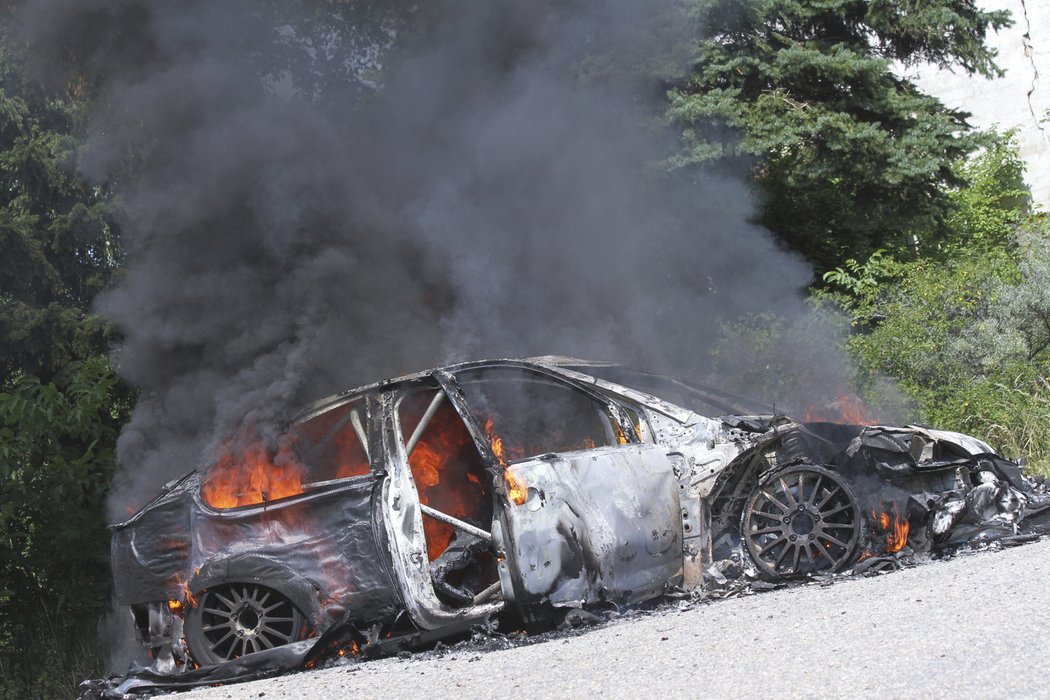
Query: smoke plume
pixel 319 194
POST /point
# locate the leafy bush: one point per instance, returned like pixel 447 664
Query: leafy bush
pixel 55 469
pixel 965 331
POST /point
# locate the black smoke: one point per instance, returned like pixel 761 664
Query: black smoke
pixel 321 194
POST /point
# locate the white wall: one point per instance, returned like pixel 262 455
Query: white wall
pixel 1020 99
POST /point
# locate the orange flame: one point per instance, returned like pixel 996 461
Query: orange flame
pixel 247 473
pixel 496 441
pixel 187 594
pixel 847 409
pixel 427 464
pixel 517 488
pixel 186 598
pixel 442 452
pixel 895 529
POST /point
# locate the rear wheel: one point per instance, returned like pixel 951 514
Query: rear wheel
pixel 234 619
pixel 803 520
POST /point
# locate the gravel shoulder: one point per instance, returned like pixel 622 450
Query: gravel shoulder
pixel 976 625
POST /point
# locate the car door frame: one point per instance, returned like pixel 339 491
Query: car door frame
pixel 402 517
pixel 634 471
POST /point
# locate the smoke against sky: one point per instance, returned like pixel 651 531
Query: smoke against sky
pixel 292 231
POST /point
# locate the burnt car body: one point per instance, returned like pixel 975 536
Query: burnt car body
pixel 417 507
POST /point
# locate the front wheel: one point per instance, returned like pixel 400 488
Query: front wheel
pixel 802 520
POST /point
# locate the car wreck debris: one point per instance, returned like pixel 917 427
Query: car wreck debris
pixel 523 492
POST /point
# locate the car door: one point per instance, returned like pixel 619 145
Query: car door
pixel 437 507
pixel 589 513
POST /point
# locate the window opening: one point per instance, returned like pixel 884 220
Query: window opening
pixel 636 422
pixel 252 469
pixel 526 414
pixel 334 444
pixel 454 495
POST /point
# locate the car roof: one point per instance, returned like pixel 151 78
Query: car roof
pixel 673 397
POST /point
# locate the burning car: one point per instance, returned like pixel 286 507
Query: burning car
pixel 418 507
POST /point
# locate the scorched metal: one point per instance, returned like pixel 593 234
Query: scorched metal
pixel 415 508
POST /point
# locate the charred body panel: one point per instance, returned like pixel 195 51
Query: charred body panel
pixel 886 487
pixel 321 551
pixel 320 548
pixel 150 552
pixel 417 507
pixel 602 526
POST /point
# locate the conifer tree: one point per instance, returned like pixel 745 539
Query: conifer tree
pixel 848 156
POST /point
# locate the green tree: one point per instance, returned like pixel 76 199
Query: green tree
pixel 848 156
pixel 60 403
pixel 965 333
pixel 987 214
pixel 56 463
pixel 57 233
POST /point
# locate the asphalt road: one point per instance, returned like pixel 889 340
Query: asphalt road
pixel 977 625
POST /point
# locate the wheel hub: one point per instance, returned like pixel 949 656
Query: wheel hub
pixel 803 523
pixel 804 520
pixel 246 620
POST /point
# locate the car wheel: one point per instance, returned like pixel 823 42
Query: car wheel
pixel 234 619
pixel 802 520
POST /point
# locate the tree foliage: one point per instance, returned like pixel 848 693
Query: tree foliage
pixel 848 156
pixel 966 332
pixel 55 469
pixel 996 202
pixel 60 403
pixel 57 233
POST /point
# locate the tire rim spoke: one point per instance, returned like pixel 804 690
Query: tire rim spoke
pixel 766 531
pixel 774 543
pixel 816 490
pixel 833 541
pixel 837 510
pixel 827 498
pixel 824 552
pixel 783 552
pixel 777 504
pixel 786 491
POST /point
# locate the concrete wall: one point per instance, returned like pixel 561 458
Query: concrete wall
pixel 1020 99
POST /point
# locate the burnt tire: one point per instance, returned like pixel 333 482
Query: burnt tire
pixel 234 619
pixel 802 520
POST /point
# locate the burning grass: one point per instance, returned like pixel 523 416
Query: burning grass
pixel 847 409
